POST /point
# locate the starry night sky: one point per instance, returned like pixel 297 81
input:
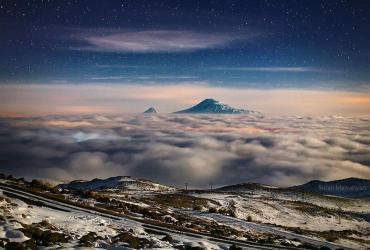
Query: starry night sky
pixel 79 74
pixel 258 44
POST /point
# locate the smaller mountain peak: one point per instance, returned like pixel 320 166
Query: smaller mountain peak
pixel 151 110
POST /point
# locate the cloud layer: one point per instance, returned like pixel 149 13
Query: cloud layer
pixel 174 149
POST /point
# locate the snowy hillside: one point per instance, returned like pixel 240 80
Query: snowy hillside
pixel 247 213
pixel 25 226
pixel 213 106
pixel 123 183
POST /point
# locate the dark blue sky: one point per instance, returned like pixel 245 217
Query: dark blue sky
pixel 262 44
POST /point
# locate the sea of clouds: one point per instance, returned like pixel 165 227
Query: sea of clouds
pixel 197 149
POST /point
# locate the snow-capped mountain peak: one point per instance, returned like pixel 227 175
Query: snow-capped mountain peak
pixel 211 105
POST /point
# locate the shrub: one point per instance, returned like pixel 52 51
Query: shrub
pixel 40 184
pixel 331 237
pixel 232 213
pixel 212 210
pixel 197 207
pixel 168 238
pixel 232 204
pixel 249 218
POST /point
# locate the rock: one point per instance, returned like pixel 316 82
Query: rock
pixel 15 246
pixel 88 239
pixel 47 224
pixel 3 242
pixel 2 218
pixel 31 232
pixel 102 244
pixel 30 244
pixel 14 234
pixel 51 238
pixel 44 237
pixel 265 241
pixel 187 247
pixel 27 245
pixel 168 239
pixel 234 247
pixel 44 233
pixel 36 232
pixel 132 240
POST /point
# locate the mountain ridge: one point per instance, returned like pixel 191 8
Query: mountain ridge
pixel 349 187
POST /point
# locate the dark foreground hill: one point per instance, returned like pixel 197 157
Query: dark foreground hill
pixel 118 183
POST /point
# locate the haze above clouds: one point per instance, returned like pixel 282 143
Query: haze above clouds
pixel 66 99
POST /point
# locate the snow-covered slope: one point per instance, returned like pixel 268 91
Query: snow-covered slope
pixel 213 106
pixel 122 183
pixel 351 187
pixel 284 212
pixel 151 110
pixel 69 228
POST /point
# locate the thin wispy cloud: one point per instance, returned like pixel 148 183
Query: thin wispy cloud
pixel 151 41
pixel 124 66
pixel 143 77
pixel 277 69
